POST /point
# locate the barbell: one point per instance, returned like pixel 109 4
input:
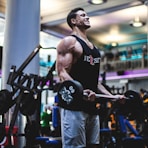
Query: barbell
pixel 71 91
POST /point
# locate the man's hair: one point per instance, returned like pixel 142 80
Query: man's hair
pixel 72 14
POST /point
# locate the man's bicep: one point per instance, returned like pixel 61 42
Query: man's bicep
pixel 63 67
pixel 64 60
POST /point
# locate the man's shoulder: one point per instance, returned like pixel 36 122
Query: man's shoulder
pixel 69 40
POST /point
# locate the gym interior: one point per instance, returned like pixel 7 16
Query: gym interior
pixel 29 34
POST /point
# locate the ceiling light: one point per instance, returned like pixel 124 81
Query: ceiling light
pixel 97 2
pixel 114 44
pixel 137 22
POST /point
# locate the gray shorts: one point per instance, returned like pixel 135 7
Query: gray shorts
pixel 79 128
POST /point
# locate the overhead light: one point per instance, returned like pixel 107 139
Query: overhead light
pixel 97 2
pixel 2 27
pixel 114 44
pixel 137 22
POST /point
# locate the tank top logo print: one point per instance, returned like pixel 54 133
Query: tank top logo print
pixel 91 60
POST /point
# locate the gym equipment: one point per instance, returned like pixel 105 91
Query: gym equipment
pixel 16 79
pixel 19 83
pixel 124 134
pixel 55 117
pixel 133 142
pixel 26 91
pixel 123 131
pixel 31 132
pixel 5 101
pixel 106 138
pixel 2 133
pixel 71 91
pixel 54 142
pixel 28 103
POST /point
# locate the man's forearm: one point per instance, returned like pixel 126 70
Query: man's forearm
pixel 103 90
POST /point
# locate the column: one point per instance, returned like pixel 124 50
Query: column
pixel 21 37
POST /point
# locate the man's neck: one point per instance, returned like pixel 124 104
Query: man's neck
pixel 80 33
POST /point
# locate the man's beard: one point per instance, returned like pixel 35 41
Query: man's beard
pixel 87 27
pixel 84 26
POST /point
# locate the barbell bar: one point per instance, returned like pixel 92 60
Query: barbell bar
pixel 113 98
pixel 70 91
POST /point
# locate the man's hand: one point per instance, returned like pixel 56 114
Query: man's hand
pixel 90 95
pixel 121 99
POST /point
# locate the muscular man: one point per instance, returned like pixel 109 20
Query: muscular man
pixel 78 59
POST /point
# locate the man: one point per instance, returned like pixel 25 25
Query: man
pixel 78 59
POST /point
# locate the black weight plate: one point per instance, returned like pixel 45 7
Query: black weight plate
pixel 135 105
pixel 28 103
pixel 5 101
pixel 69 93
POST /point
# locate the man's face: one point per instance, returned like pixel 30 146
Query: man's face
pixel 82 20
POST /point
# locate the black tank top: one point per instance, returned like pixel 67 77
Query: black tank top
pixel 86 71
